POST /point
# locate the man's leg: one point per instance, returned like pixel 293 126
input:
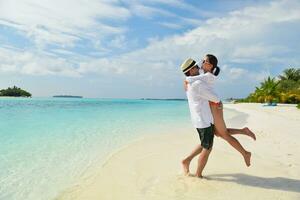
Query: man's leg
pixel 203 157
pixel 186 161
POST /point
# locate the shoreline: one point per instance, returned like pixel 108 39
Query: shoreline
pixel 149 167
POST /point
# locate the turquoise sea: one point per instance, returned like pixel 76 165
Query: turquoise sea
pixel 48 143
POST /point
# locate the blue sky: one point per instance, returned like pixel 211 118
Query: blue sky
pixel 133 49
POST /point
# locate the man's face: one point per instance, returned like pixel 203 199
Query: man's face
pixel 194 71
pixel 206 66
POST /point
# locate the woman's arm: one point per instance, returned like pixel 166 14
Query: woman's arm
pixel 205 77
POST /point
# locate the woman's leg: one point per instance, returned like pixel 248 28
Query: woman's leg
pixel 244 131
pixel 221 130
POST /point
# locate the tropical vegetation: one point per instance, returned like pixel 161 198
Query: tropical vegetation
pixel 282 89
pixel 14 92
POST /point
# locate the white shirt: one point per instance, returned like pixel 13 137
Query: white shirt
pixel 199 92
pixel 208 78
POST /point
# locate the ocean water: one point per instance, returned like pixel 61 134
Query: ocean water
pixel 48 143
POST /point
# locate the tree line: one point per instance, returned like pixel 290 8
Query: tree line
pixel 282 89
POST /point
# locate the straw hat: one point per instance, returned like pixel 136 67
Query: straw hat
pixel 187 65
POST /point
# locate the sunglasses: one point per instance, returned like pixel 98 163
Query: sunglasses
pixel 204 61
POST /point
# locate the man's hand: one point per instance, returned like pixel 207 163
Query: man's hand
pixel 220 106
pixel 185 85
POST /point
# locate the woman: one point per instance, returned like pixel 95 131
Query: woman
pixel 211 70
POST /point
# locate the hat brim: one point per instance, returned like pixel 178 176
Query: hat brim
pixel 193 64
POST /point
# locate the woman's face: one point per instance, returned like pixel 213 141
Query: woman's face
pixel 206 66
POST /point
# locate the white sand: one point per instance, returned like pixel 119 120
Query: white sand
pixel 150 168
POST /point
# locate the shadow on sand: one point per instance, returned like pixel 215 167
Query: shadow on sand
pixel 276 183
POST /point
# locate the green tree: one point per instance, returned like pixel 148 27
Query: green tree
pixel 284 90
pixel 290 74
pixel 268 89
pixel 14 92
pixel 289 86
pixel 290 80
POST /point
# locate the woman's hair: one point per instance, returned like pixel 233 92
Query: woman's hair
pixel 214 61
pixel 216 71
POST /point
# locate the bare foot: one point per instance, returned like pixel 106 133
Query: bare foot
pixel 249 133
pixel 186 166
pixel 199 175
pixel 196 176
pixel 247 158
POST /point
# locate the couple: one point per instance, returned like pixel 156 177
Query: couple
pixel 207 112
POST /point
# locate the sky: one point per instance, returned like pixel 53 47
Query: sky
pixel 134 48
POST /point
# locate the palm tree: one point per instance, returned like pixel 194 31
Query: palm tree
pixel 289 86
pixel 290 74
pixel 259 95
pixel 268 89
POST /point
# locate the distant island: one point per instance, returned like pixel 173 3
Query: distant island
pixel 14 92
pixel 67 96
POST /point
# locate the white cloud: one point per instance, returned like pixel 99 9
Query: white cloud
pixel 62 21
pixel 257 34
pixel 181 22
pixel 174 3
pixel 180 4
pixel 34 63
pixel 191 21
pixel 170 25
pixel 149 11
pixel 239 37
pixel 235 73
pixel 102 66
pixel 257 52
pixel 118 42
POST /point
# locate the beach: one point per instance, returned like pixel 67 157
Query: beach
pixel 150 167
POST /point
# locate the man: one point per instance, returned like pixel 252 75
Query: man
pixel 198 96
